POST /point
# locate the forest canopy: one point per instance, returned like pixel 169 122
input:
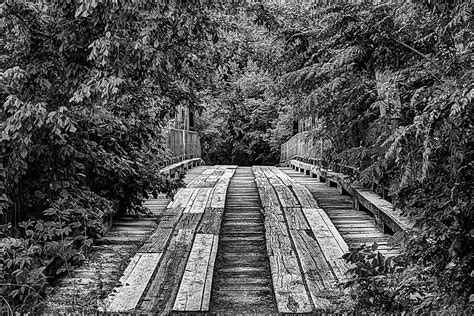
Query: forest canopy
pixel 86 88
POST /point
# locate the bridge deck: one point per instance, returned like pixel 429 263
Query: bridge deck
pixel 356 226
pixel 243 240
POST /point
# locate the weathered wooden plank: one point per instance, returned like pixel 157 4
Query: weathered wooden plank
pixel 129 294
pixel 182 197
pixel 329 245
pixel 214 177
pixel 290 292
pixel 157 241
pixel 191 289
pixel 206 298
pixel 209 171
pixel 190 203
pixel 286 197
pixel 217 199
pixel 333 230
pixel 200 201
pixel 316 271
pixel 211 221
pixel 286 180
pixel 274 211
pixel 295 218
pixel 268 196
pixel 271 177
pixel 128 270
pixel 164 286
pixel 189 221
pixel 305 197
pixel 200 181
pixel 170 217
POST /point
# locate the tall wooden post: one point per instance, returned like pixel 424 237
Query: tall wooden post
pixel 184 144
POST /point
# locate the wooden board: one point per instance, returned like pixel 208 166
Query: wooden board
pixel 172 168
pixel 316 271
pixel 181 197
pixel 383 209
pixel 305 197
pixel 189 221
pixel 268 196
pixel 129 294
pixel 200 181
pixel 191 200
pixel 333 230
pixel 329 246
pixel 200 201
pixel 128 270
pixel 286 197
pixel 211 221
pixel 170 217
pixel 295 218
pixel 164 286
pixel 191 290
pixel 218 196
pixel 286 180
pixel 157 241
pixel 288 284
pixel 274 211
pixel 206 298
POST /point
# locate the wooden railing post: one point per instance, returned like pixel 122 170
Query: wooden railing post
pixel 184 144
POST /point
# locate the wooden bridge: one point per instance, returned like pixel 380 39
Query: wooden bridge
pixel 259 239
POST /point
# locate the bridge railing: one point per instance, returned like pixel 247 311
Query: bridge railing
pixel 303 152
pixel 307 147
pixel 304 146
pixel 183 145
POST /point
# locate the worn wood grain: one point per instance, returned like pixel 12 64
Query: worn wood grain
pixel 211 221
pixel 181 198
pixel 191 290
pixel 157 241
pixel 290 292
pixel 206 298
pixel 296 218
pixel 200 201
pixel 129 294
pixel 286 180
pixel 170 217
pixel 304 196
pixel 319 278
pixel 128 270
pixel 163 288
pixel 217 199
pixel 189 221
pixel 268 196
pixel 329 245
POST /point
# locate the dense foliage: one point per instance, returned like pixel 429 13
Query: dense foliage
pixel 392 88
pixel 85 87
pixel 240 104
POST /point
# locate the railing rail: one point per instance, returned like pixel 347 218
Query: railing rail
pixel 308 148
pixel 183 145
pixel 303 144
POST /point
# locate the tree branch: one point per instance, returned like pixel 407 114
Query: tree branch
pixel 418 53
